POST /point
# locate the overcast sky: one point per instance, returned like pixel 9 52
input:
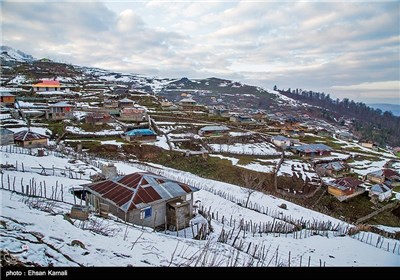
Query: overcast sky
pixel 346 49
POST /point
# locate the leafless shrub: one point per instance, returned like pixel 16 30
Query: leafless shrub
pixel 41 204
pixel 101 227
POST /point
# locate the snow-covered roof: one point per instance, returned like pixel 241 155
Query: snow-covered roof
pixel 126 100
pixel 137 190
pixel 61 104
pixel 214 128
pixel 187 100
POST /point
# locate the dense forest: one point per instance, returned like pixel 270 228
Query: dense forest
pixel 367 123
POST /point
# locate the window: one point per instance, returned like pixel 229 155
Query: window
pixel 145 213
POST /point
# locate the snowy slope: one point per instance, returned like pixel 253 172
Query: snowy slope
pixel 34 235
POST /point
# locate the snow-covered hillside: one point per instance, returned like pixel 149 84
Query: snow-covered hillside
pixel 37 230
pixel 10 54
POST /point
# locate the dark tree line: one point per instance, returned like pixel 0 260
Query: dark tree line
pixel 367 123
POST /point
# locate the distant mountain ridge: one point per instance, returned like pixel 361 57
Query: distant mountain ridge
pixel 9 53
pixel 394 108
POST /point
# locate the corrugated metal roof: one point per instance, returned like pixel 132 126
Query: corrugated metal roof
pixel 137 190
pixel 140 132
pixel 347 182
pixel 280 138
pixel 313 148
pixel 379 188
pixel 335 165
pixel 385 172
pixel 27 135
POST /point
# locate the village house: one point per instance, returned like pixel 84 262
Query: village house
pixel 384 176
pixel 334 169
pixel 47 85
pixel 7 99
pixel 219 111
pixel 292 131
pixel 312 150
pixel 135 114
pixel 292 121
pixel 281 141
pixel 380 192
pixel 187 103
pixel 60 111
pixel 98 118
pixel 344 135
pixel 343 186
pixel 241 119
pixel 29 139
pixel 125 103
pixel 213 130
pixel 324 132
pixel 369 145
pixel 142 135
pixel 144 199
pixel 6 136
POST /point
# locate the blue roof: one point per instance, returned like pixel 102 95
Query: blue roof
pixel 4 131
pixel 280 138
pixel 140 132
pixel 312 148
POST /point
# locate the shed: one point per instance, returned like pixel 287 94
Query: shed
pixel 144 198
pixel 140 135
pixel 29 139
pixel 6 136
pixel 213 130
pixel 343 186
pixel 281 141
pixel 125 102
pixel 334 169
pixel 312 150
pixel 380 191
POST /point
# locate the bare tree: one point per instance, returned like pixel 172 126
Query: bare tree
pixel 252 182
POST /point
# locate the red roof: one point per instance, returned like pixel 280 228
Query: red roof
pixel 137 190
pixel 47 83
pixel 348 182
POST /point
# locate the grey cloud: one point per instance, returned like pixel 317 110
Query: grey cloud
pixel 291 44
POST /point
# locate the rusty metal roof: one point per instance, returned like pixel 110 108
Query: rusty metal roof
pixel 138 190
pixel 27 135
